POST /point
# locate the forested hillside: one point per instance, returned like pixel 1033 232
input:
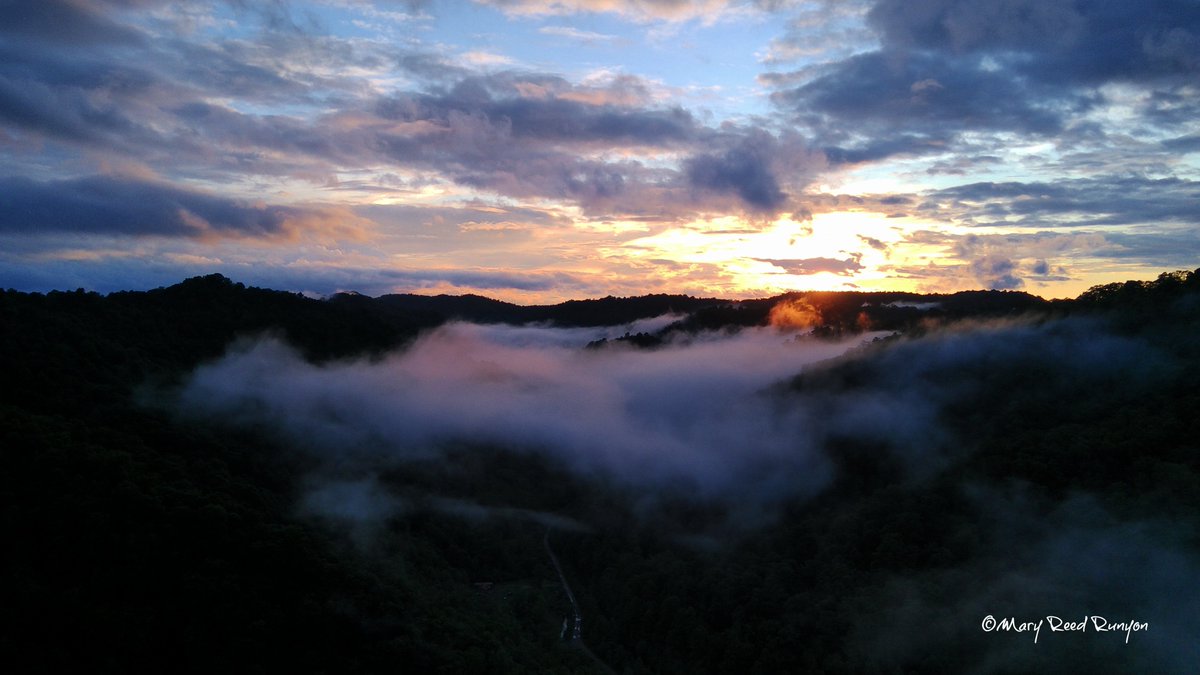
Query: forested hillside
pixel 986 454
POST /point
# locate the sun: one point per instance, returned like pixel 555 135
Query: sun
pixel 833 251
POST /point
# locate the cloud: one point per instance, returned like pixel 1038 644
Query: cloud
pixel 149 109
pixel 545 118
pixel 111 265
pixel 295 104
pixel 1070 42
pixel 873 105
pixel 1008 261
pixel 526 135
pixel 1179 247
pixel 1102 200
pixel 519 135
pixel 482 59
pixel 820 32
pixel 877 244
pixel 1183 144
pixel 807 266
pixel 636 10
pixel 1112 217
pixel 80 100
pixel 744 169
pixel 485 279
pixel 64 22
pixel 127 206
pixel 586 37
pixel 990 24
pixel 996 273
pixel 431 67
pixel 946 68
pixel 283 105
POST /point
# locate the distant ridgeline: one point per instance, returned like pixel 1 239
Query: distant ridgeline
pixel 833 312
pixel 138 541
pixel 62 348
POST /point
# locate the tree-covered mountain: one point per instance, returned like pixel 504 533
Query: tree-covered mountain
pixel 1001 455
pixel 607 311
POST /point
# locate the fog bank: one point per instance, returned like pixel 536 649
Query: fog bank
pixel 693 414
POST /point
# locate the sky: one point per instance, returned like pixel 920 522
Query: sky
pixel 542 151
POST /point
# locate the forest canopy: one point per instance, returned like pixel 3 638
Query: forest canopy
pixel 889 469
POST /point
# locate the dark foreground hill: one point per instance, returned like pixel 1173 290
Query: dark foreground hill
pixel 1042 465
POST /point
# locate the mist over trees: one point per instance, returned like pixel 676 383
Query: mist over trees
pixel 212 477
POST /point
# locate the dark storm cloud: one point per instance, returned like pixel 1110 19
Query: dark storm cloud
pixel 110 205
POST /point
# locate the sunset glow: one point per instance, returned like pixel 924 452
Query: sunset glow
pixel 540 152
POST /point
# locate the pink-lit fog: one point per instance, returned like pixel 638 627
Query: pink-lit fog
pixel 691 413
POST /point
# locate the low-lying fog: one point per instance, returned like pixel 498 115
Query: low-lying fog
pixel 696 411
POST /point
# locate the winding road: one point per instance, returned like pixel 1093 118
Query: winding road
pixel 576 630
